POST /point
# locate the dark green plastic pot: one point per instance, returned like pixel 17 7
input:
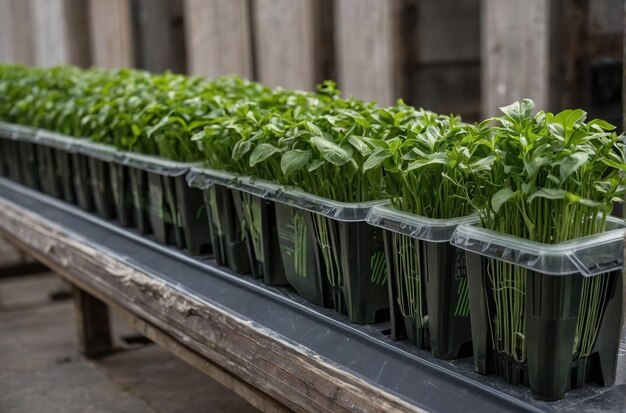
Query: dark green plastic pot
pixel 12 156
pixel 178 214
pixel 258 222
pixel 65 174
pixel 299 256
pixel 161 217
pixel 48 176
pixel 101 187
pixel 4 164
pixel 229 246
pixel 122 194
pixel 446 328
pixel 193 217
pixel 140 201
pixel 353 258
pixel 81 180
pixel 28 164
pixel 551 311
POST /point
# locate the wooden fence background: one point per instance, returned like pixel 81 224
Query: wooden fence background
pixel 452 56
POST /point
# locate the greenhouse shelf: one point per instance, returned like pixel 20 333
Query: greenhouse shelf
pixel 326 344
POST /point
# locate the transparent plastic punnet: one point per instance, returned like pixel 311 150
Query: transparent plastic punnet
pixel 203 178
pixel 416 226
pixel 589 256
pixel 339 211
pixel 560 303
pixel 17 132
pixel 427 281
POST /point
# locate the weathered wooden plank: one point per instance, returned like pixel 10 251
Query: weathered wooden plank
pixel 92 325
pixel 289 373
pixel 257 399
pixel 111 33
pixel 60 33
pixel 366 49
pixel 515 53
pixel 16 44
pixel 284 39
pixel 218 38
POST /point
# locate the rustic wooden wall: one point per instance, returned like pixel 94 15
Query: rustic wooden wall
pixel 159 35
pixel 445 75
pixel 460 56
pixel 515 52
pixel 218 38
pixel 16 43
pixel 283 34
pixel 110 23
pixel 60 32
pixel 366 48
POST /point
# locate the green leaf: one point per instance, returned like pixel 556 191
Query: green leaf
pixel 332 152
pixel 262 152
pixel 548 193
pixel 377 157
pixel 434 159
pixel 501 197
pixel 519 110
pixel 292 161
pixel 571 164
pixel 602 124
pixel 315 164
pixel 570 118
pixel 359 145
pixel 240 149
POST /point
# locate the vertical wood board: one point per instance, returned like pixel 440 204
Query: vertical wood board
pixel 515 53
pixel 284 41
pixel 218 38
pixel 111 33
pixel 366 59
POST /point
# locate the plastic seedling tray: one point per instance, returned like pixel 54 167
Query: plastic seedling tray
pixel 427 281
pixel 99 158
pixel 350 256
pixel 560 354
pixel 177 214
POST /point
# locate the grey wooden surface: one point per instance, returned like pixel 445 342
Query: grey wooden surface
pixel 218 38
pixel 111 38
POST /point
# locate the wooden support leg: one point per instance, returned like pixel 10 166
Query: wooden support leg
pixel 92 324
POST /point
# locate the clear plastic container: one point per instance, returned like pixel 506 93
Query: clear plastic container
pixel 339 211
pixel 416 226
pixel 17 132
pixel 201 177
pixel 56 140
pixel 589 256
pixel 155 164
pixel 100 151
pixel 568 300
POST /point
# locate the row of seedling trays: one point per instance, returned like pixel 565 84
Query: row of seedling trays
pixel 429 277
